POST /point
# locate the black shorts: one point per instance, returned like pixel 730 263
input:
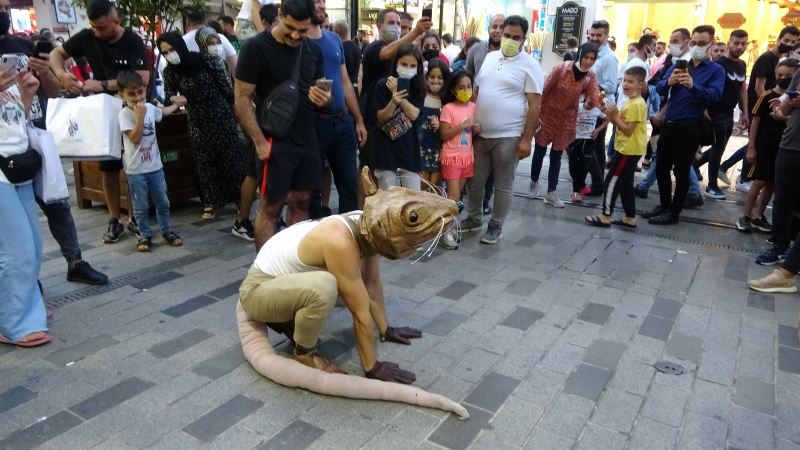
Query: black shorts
pixel 253 167
pixel 767 144
pixel 111 165
pixel 293 168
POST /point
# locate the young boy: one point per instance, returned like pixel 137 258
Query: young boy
pixel 630 145
pixel 143 167
pixel 581 151
pixel 762 150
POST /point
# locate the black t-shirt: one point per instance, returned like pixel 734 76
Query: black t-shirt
pixel 352 58
pixel 764 67
pixel 735 72
pixel 374 69
pixel 403 152
pixel 762 110
pixel 107 59
pixel 16 44
pixel 267 63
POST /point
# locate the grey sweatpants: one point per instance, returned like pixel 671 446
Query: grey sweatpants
pixel 498 157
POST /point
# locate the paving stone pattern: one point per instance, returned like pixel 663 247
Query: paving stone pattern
pixel 548 339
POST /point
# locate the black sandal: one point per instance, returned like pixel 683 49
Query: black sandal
pixel 596 222
pixel 173 239
pixel 622 223
pixel 144 244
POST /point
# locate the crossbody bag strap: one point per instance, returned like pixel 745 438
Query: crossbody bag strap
pixel 296 70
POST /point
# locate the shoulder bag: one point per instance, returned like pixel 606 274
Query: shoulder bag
pixel 279 109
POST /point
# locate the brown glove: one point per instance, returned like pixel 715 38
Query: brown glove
pixel 401 335
pixel 389 371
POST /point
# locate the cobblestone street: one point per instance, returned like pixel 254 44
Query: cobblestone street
pixel 548 338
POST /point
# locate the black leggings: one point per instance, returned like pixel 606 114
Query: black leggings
pixel 581 153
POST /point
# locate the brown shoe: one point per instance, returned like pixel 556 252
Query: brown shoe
pixel 316 361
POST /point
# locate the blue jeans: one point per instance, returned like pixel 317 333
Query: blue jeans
pixel 650 179
pixel 62 227
pixel 146 186
pixel 337 143
pixel 554 169
pixel 22 309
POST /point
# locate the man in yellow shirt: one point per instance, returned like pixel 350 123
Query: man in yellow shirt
pixel 630 144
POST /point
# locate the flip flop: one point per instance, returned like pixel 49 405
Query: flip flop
pixel 32 343
pixel 596 222
pixel 621 223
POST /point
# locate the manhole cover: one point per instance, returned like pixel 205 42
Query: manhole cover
pixel 669 367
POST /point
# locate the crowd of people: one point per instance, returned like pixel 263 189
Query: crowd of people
pixel 420 111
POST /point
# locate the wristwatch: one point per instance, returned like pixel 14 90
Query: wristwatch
pixel 104 85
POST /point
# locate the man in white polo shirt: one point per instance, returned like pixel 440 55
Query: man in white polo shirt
pixel 196 19
pixel 508 92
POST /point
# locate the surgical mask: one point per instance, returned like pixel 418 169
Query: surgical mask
pixel 173 58
pixel 675 50
pixel 580 68
pixel 430 54
pixel 464 95
pixel 216 50
pixel 631 56
pixel 509 47
pixel 435 88
pixel 783 83
pixel 650 53
pixel 785 48
pixel 5 22
pixel 390 33
pixel 699 53
pixel 406 72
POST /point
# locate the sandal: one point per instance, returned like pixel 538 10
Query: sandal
pixel 622 223
pixel 144 244
pixel 595 221
pixel 208 213
pixel 173 239
pixel 32 340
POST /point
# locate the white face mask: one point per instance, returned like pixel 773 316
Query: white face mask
pixel 406 72
pixel 699 53
pixel 675 49
pixel 216 50
pixel 173 58
pixel 435 88
pixel 579 67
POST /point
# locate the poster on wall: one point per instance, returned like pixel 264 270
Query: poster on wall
pixel 65 12
pixel 568 23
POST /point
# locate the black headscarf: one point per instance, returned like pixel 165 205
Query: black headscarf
pixel 190 61
pixel 583 50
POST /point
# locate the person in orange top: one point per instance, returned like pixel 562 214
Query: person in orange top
pixel 562 91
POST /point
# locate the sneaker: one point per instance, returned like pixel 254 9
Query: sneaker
pixel 133 227
pixel 693 201
pixel 640 192
pixel 761 224
pixel 774 282
pixel 745 224
pixel 770 240
pixel 115 230
pixel 487 209
pixel 534 190
pixel 243 229
pixel 743 186
pixel 468 225
pixel 552 199
pixel 576 197
pixel 771 256
pixel 460 205
pixel 723 176
pixel 82 272
pixel 654 212
pixel 448 241
pixel 492 235
pixel 316 361
pixel 586 190
pixel 715 193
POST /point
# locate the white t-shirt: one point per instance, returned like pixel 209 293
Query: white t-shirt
pixel 245 12
pixel 191 44
pixel 143 157
pixel 13 134
pixel 587 121
pixel 451 52
pixel 503 82
pixel 635 62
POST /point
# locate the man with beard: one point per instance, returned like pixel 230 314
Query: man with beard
pixel 721 113
pixel 479 51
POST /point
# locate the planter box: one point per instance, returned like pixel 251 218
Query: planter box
pixel 176 154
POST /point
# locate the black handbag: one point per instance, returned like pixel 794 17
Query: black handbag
pixel 279 109
pixel 21 167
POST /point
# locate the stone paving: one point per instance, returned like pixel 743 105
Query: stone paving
pixel 548 338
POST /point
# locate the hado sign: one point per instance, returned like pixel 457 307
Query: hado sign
pixel 731 20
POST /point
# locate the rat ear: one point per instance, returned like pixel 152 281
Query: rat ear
pixel 367 182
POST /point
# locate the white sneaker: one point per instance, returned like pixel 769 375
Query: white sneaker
pixel 534 190
pixel 743 186
pixel 552 199
pixel 448 241
pixel 723 176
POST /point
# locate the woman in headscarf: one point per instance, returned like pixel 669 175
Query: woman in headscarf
pixel 212 127
pixel 209 42
pixel 559 113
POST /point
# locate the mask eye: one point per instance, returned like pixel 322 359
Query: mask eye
pixel 413 217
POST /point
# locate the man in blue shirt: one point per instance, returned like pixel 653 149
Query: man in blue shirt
pixel 690 91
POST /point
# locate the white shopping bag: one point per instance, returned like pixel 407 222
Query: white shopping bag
pixel 86 127
pixel 49 184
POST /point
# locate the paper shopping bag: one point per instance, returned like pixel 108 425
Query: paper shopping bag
pixel 86 127
pixel 49 184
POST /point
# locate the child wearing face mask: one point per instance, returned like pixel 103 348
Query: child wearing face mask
pixel 429 142
pixel 766 129
pixel 458 126
pixel 396 105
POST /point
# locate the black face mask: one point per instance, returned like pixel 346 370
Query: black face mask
pixel 5 22
pixel 785 48
pixel 784 83
pixel 429 54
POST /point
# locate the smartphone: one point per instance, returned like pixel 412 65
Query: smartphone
pixel 681 64
pixel 43 46
pixel 324 84
pixel 10 61
pixel 792 94
pixel 403 84
pixel 427 11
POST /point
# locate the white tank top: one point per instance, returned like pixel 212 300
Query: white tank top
pixel 278 257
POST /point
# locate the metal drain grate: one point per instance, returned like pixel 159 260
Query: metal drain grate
pixel 669 368
pixel 124 280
